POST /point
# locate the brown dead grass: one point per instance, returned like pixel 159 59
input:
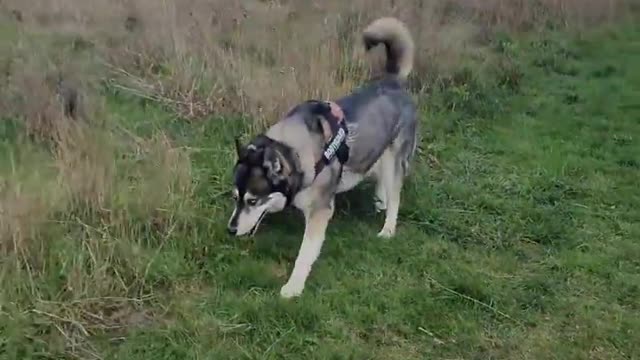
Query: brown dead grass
pixel 76 193
pixel 82 209
pixel 257 58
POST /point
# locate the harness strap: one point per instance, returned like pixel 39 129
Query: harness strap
pixel 336 142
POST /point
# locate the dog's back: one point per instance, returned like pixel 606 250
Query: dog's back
pixel 382 112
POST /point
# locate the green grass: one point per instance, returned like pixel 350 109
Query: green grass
pixel 518 237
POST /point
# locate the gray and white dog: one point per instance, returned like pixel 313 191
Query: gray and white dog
pixel 289 165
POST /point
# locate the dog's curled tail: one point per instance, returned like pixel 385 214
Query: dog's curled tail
pixel 398 42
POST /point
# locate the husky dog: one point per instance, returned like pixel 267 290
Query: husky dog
pixel 321 148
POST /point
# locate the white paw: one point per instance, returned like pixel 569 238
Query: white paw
pixel 386 232
pixel 291 290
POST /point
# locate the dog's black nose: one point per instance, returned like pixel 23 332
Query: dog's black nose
pixel 232 230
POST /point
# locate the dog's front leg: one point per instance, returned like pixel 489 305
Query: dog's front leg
pixel 316 222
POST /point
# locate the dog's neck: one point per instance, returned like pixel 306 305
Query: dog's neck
pixel 305 139
pixel 295 178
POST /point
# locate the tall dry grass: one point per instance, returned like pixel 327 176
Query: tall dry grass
pixel 77 194
pixel 256 58
pixel 76 219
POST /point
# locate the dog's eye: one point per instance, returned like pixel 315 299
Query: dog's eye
pixel 234 195
pixel 252 202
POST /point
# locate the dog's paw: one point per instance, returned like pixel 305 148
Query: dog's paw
pixel 386 233
pixel 289 291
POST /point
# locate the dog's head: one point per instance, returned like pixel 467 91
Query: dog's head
pixel 263 178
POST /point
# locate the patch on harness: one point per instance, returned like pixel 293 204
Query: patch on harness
pixel 334 145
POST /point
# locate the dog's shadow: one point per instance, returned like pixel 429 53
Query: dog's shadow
pixel 284 230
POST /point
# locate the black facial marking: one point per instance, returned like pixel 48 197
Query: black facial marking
pixel 266 166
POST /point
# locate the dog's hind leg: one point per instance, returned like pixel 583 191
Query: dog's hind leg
pixel 381 196
pixel 314 233
pixel 393 169
pixel 390 178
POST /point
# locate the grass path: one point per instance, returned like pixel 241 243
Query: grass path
pixel 518 236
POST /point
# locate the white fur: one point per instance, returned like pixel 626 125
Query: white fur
pixel 316 221
pixel 389 187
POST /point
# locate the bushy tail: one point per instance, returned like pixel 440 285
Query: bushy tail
pixel 398 42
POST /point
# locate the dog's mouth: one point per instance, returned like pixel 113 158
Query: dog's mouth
pixel 255 227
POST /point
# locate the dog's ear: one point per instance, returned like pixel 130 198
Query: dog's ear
pixel 240 150
pixel 250 154
pixel 254 155
pixel 278 168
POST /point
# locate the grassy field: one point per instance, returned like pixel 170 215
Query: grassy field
pixel 518 234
